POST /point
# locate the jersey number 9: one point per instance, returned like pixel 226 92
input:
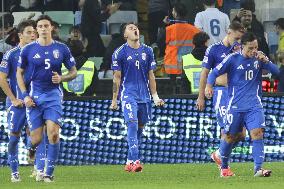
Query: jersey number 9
pixel 137 64
pixel 47 63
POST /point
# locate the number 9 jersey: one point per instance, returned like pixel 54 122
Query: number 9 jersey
pixel 134 65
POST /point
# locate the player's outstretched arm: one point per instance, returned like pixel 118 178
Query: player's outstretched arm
pixel 153 89
pixel 7 90
pixel 20 80
pixel 200 104
pixel 115 89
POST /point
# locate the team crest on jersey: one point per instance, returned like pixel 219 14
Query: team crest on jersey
pixel 256 65
pixel 143 56
pixel 56 53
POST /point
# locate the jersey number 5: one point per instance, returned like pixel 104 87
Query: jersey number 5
pixel 47 63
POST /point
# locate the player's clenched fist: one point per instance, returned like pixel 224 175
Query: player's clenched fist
pixel 113 105
pixel 157 100
pixel 29 102
pixel 56 78
pixel 17 102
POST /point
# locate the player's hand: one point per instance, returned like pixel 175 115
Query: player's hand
pixel 200 103
pixel 17 103
pixel 209 91
pixel 262 57
pixel 113 105
pixel 157 100
pixel 29 102
pixel 56 78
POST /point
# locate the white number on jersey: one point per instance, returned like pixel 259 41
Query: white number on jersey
pixel 249 74
pixel 47 63
pixel 137 64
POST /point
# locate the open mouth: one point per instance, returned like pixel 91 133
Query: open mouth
pixel 135 33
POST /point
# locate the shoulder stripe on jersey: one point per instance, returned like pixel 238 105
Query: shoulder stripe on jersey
pixel 213 45
pixel 118 50
pixel 8 53
pixel 27 45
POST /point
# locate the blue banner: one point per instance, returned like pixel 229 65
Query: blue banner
pixel 178 133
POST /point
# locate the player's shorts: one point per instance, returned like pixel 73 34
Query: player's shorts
pixel 220 97
pixel 16 118
pixel 252 119
pixel 48 107
pixel 133 111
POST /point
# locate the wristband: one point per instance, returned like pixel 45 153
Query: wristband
pixel 25 94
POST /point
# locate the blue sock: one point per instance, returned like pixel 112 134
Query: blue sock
pixel 13 153
pixel 132 128
pixel 40 156
pixel 52 155
pixel 258 153
pixel 225 151
pixel 139 138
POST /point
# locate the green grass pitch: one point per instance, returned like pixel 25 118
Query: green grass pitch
pixel 154 176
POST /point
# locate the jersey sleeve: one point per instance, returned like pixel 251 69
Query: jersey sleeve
pixel 221 69
pixel 273 68
pixel 68 59
pixel 151 60
pixel 208 60
pixel 23 58
pixel 5 63
pixel 116 60
pixel 197 21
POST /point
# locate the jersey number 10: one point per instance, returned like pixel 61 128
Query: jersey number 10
pixel 249 74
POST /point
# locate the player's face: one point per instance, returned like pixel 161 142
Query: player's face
pixel 235 36
pixel 131 32
pixel 28 35
pixel 44 28
pixel 250 49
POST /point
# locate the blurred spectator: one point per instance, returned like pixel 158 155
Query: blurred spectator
pixel 281 74
pixel 124 4
pixel 92 17
pixel 8 26
pixel 116 41
pixel 76 35
pixel 279 23
pixel 246 21
pixel 192 63
pixel 15 6
pixel 85 84
pixel 55 32
pixel 230 4
pixel 212 21
pixel 78 14
pixel 178 40
pixel 158 9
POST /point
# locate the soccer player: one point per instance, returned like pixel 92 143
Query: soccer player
pixel 14 103
pixel 212 21
pixel 214 55
pixel 133 64
pixel 40 67
pixel 244 72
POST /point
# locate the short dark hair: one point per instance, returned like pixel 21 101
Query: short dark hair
pixel 44 17
pixel 209 2
pixel 248 37
pixel 248 5
pixel 22 25
pixel 280 22
pixel 8 20
pixel 123 27
pixel 180 9
pixel 200 39
pixel 236 26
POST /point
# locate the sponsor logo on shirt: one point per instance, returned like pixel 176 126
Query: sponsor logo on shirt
pixel 153 63
pixel 56 53
pixel 129 58
pixel 36 56
pixel 223 55
pixel 240 67
pixel 205 59
pixel 4 64
pixel 256 65
pixel 114 63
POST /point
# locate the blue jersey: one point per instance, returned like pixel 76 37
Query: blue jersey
pixel 9 66
pixel 134 65
pixel 215 54
pixel 244 80
pixel 40 61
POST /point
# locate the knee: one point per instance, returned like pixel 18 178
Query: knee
pixel 229 138
pixel 35 139
pixel 240 137
pixel 256 134
pixel 53 137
